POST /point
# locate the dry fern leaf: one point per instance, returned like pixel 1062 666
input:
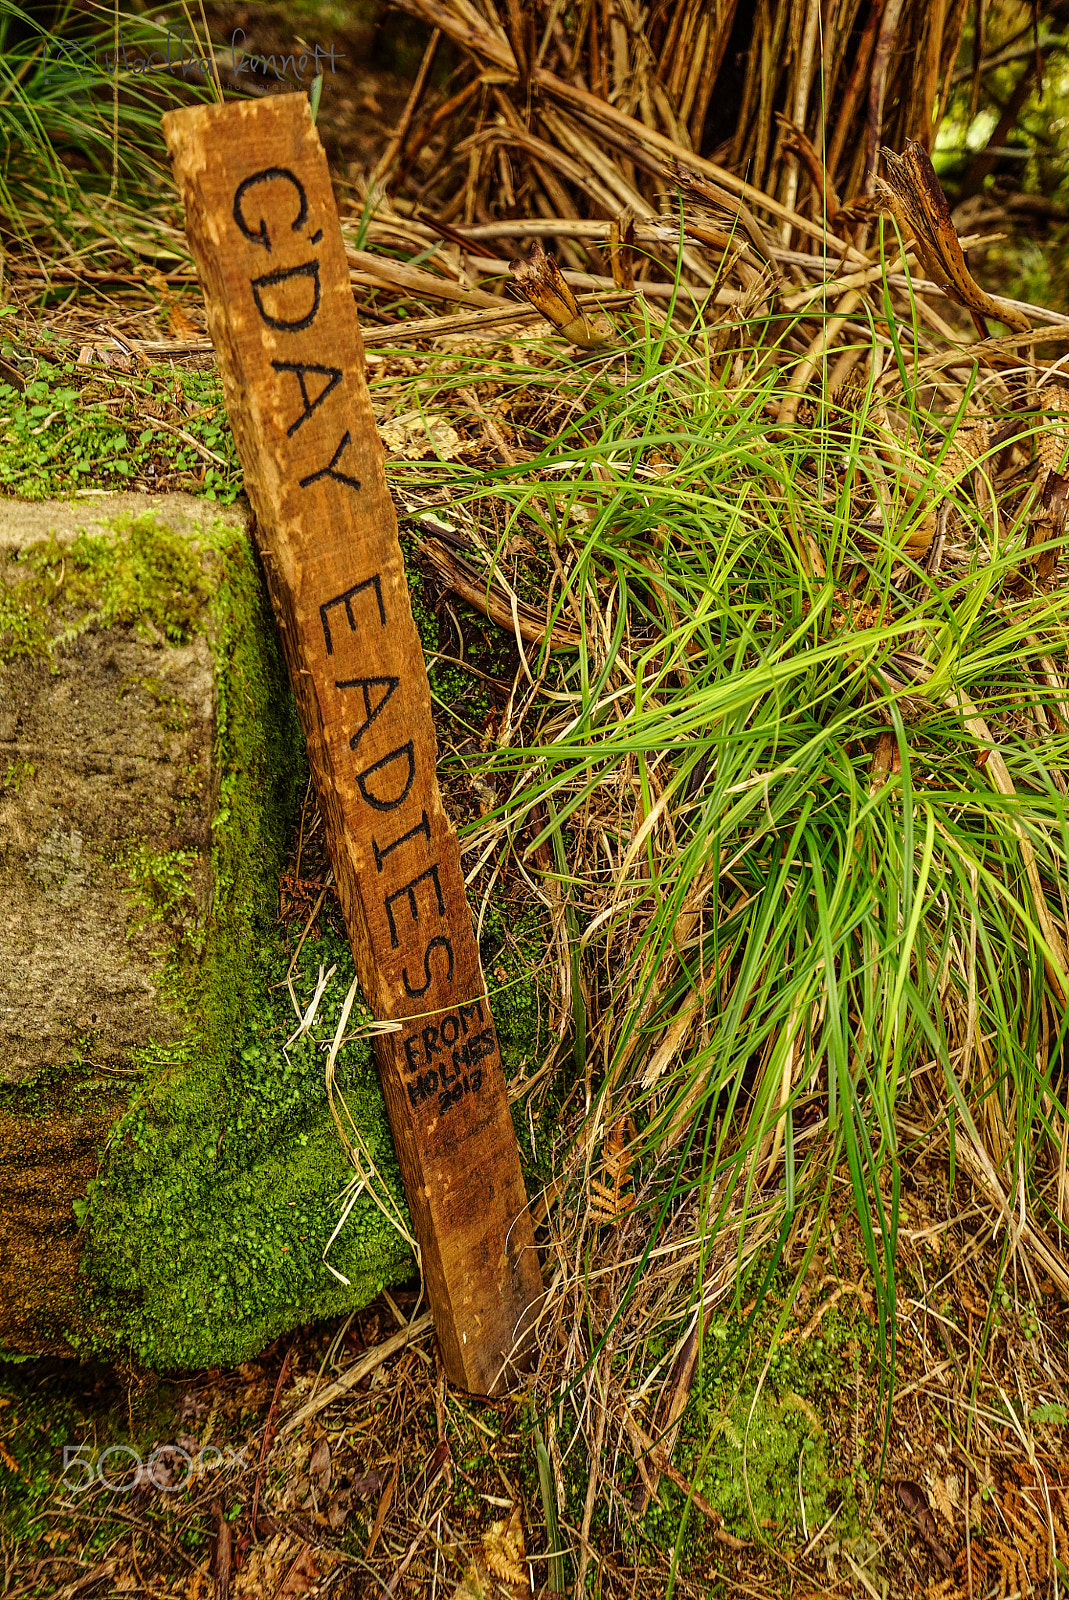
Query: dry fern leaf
pixel 970 443
pixel 1048 518
pixel 503 1550
pixel 1053 444
pixel 500 1569
pixel 920 208
pixel 1028 1558
pixel 612 1196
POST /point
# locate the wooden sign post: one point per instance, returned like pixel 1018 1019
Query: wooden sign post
pixel 263 226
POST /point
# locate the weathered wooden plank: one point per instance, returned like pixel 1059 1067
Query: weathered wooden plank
pixel 263 226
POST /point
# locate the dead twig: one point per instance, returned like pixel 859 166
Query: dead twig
pixel 357 1373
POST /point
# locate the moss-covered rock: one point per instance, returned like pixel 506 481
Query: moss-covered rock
pixel 172 1170
pixel 210 1225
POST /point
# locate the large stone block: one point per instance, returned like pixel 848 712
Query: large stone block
pixel 106 734
pixel 170 1167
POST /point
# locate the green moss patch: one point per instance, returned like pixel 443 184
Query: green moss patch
pixel 203 1234
pixel 76 427
pixel 142 574
pixel 205 1231
pixel 223 1183
pixel 774 1453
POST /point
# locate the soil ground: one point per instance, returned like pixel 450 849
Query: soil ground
pixel 115 1480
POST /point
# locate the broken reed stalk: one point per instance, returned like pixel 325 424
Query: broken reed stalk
pixel 716 256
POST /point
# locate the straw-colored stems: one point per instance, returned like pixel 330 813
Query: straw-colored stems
pixel 814 357
pixel 892 11
pixel 802 85
pixel 846 127
pixel 386 160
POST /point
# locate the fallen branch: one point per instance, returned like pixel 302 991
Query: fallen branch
pixel 356 1374
pixel 660 1460
pixel 515 617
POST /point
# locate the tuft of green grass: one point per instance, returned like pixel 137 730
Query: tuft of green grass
pixel 803 794
pixel 79 122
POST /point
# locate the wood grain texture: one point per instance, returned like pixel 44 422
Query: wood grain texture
pixel 263 226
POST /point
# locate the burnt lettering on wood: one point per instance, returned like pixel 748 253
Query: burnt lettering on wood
pixel 346 599
pixel 332 470
pixel 300 369
pixel 261 219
